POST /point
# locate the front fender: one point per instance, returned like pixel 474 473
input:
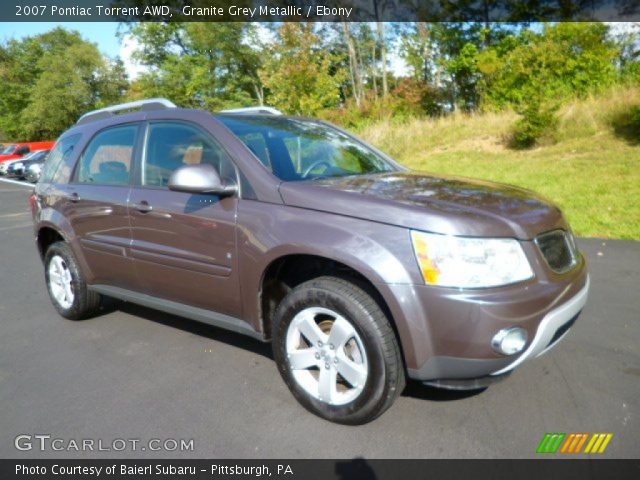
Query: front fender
pixel 381 253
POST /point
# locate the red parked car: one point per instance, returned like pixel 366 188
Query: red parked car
pixel 17 150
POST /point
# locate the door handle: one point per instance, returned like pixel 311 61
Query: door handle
pixel 73 197
pixel 143 206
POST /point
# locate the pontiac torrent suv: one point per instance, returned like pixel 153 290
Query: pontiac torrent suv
pixel 360 272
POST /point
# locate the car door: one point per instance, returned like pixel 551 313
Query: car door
pixel 96 204
pixel 184 244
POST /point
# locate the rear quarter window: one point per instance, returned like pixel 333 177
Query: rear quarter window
pixel 59 157
pixel 108 157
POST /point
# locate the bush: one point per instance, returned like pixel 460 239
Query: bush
pixel 409 99
pixel 370 111
pixel 626 124
pixel 538 124
pixel 417 98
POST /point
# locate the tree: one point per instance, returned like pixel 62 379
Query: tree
pixel 627 37
pixel 355 50
pixel 417 50
pixel 73 82
pixel 299 73
pixel 379 7
pixel 564 60
pixel 355 66
pixel 534 72
pixel 444 55
pixel 49 80
pixel 200 65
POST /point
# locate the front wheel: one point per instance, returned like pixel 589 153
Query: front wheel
pixel 337 352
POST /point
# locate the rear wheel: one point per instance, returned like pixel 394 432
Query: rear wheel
pixel 337 352
pixel 66 284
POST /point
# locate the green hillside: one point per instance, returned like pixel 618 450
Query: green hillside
pixel 592 170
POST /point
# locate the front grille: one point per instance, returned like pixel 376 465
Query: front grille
pixel 558 249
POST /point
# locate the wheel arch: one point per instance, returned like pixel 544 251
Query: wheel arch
pixel 46 236
pixel 286 271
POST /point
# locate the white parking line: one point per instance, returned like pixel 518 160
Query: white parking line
pixel 13 227
pixel 16 182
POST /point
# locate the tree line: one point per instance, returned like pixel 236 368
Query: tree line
pixel 343 72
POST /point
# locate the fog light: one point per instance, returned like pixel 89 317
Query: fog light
pixel 509 341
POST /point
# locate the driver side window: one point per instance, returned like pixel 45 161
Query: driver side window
pixel 316 157
pixel 22 150
pixel 172 145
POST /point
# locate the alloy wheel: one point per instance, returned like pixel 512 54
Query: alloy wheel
pixel 326 356
pixel 61 282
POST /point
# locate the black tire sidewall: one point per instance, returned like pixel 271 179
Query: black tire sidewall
pixel 367 405
pixel 75 312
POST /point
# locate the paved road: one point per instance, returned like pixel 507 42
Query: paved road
pixel 136 373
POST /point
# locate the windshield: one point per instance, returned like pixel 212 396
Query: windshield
pixel 303 149
pixel 8 150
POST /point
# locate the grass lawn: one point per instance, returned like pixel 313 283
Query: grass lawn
pixel 592 172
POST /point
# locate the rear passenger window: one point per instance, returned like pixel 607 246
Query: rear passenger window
pixel 173 145
pixel 59 155
pixel 107 159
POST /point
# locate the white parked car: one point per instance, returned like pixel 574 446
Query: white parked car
pixel 4 166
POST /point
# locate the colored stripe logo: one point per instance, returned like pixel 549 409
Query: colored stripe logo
pixel 550 443
pixel 574 442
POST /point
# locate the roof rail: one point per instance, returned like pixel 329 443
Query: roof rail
pixel 253 110
pixel 148 104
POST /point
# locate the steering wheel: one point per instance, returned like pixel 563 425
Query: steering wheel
pixel 313 166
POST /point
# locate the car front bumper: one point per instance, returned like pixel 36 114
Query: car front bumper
pixel 446 333
pixel 552 329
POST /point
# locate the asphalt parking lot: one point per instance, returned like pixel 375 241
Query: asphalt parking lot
pixel 134 373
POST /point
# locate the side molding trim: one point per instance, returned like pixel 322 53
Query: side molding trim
pixel 193 313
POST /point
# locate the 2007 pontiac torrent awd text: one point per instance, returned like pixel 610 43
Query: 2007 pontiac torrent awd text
pixel 289 230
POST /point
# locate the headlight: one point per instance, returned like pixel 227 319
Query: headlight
pixel 462 262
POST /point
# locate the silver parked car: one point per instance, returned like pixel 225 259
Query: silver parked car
pixel 33 172
pixel 19 169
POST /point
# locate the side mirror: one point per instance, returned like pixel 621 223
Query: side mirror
pixel 202 178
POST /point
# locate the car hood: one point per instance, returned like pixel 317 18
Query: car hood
pixel 6 164
pixel 440 204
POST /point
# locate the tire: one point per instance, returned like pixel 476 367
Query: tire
pixel 61 269
pixel 348 373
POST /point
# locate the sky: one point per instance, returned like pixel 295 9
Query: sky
pixel 102 33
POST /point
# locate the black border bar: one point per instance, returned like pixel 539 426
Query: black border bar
pixel 357 468
pixel 319 10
